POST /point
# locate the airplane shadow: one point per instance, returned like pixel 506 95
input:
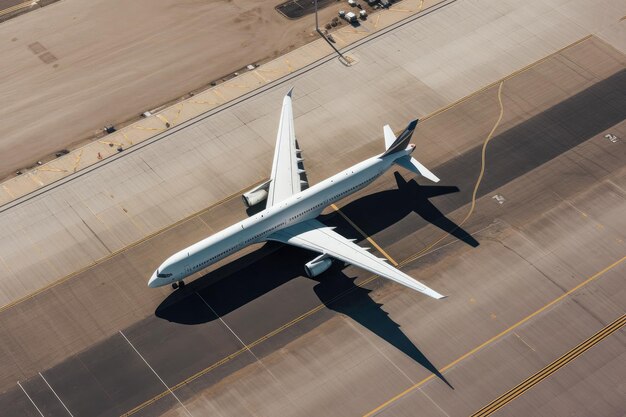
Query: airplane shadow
pixel 376 212
pixel 262 271
pixel 356 303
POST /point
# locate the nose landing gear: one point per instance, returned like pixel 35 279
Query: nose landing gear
pixel 179 284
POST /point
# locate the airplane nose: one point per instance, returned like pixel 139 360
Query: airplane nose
pixel 153 281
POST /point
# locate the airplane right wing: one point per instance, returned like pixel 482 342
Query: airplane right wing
pixel 314 235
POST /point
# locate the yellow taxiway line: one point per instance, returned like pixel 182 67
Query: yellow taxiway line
pixel 368 238
pixel 483 162
pixel 498 336
pixel 530 382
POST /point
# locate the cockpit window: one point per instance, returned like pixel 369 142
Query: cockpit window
pixel 164 275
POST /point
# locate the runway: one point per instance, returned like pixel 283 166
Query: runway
pixel 527 171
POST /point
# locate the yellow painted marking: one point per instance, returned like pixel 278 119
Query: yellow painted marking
pixel 377 19
pixel 419 9
pixel 16 8
pixel 478 181
pixel 498 336
pixel 224 360
pixel 356 32
pixel 242 86
pixel 219 94
pixel 369 239
pixel 79 154
pixel 35 179
pixel 289 67
pixel 180 109
pixel 210 103
pixel 260 77
pixel 5 188
pixel 530 382
pixel 400 10
pixel 127 138
pixel 511 75
pixel 138 127
pixel 164 120
pixel 51 169
pixel 269 70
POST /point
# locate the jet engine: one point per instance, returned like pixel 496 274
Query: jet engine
pixel 317 266
pixel 252 198
pixel 256 195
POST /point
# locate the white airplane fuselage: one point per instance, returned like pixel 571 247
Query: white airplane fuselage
pixel 305 205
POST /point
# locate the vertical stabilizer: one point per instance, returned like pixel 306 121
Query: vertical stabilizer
pixel 401 141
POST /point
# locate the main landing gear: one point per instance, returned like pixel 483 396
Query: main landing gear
pixel 179 284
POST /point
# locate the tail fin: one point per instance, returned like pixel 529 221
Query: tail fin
pixel 400 143
pixel 414 165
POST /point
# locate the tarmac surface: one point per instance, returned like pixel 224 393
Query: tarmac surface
pixel 527 169
pixel 401 71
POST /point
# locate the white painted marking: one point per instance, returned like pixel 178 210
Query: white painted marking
pixel 247 348
pixel 31 400
pixel 154 372
pixel 56 395
pixel 499 198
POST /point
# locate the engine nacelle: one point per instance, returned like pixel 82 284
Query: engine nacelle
pixel 317 266
pixel 252 198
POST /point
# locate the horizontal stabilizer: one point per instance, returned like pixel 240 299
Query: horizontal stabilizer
pixel 415 166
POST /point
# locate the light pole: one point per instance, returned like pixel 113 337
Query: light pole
pixel 317 29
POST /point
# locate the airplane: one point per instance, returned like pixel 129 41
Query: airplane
pixel 291 212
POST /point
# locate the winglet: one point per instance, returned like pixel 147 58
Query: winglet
pixel 290 91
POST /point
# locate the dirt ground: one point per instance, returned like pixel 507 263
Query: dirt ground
pixel 73 67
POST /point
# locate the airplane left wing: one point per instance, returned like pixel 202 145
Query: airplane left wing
pixel 285 178
pixel 315 236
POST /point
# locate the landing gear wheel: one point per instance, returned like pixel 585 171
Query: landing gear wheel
pixel 175 285
pixel 181 284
